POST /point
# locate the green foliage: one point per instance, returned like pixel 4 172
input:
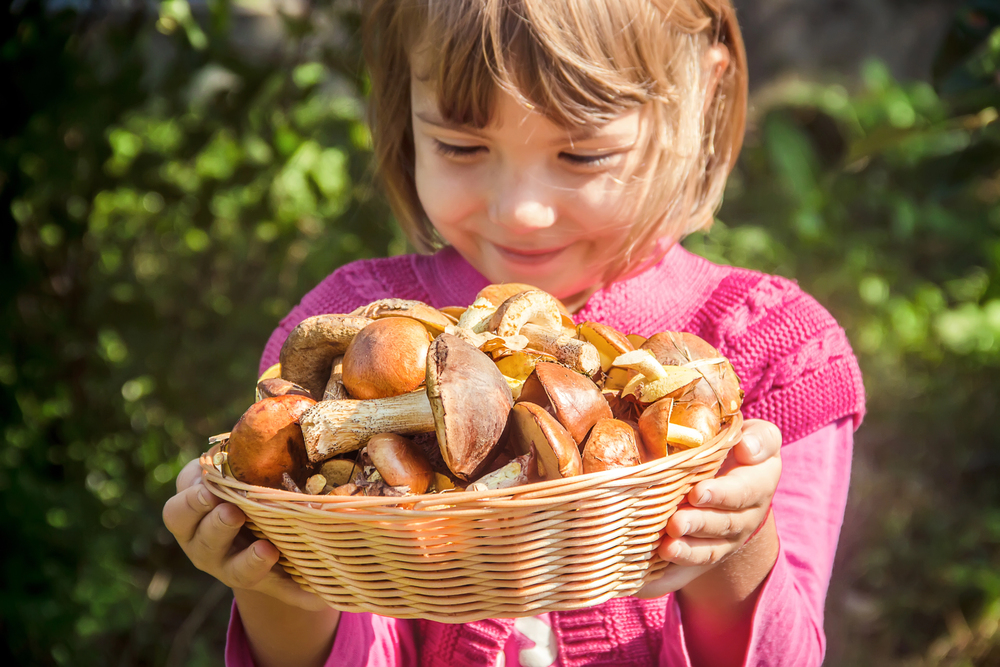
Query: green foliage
pixel 169 202
pixel 174 187
pixel 884 203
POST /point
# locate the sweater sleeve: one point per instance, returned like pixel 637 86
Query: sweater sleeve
pixel 808 509
pixel 363 640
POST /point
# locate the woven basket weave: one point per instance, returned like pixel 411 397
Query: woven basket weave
pixel 458 557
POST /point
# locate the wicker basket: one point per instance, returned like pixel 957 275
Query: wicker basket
pixel 458 557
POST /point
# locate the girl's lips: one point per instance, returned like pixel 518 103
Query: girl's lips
pixel 527 256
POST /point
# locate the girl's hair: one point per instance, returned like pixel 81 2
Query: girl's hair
pixel 580 63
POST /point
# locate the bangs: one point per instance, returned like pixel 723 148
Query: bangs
pixel 577 62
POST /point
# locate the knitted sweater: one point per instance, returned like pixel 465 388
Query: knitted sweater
pixel 798 372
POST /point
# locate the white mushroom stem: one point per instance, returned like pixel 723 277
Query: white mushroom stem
pixel 333 427
pixel 577 354
pixel 684 436
pixel 654 380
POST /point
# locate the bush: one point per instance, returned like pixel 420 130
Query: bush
pixel 172 192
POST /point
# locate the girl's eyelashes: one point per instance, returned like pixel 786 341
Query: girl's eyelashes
pixel 451 150
pixel 587 160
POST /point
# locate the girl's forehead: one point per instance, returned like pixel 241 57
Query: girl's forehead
pixel 513 112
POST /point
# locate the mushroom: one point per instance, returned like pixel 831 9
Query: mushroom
pixel 470 400
pixel 698 416
pixel 308 352
pixel 267 442
pixel 571 398
pixel 611 444
pixel 536 316
pixel 386 358
pixel 514 473
pixel 531 307
pixel 400 462
pixel 466 402
pixel 433 319
pixel 500 292
pixel 609 342
pixel 654 380
pixel 277 387
pixel 335 390
pixel 657 431
pixel 721 387
pixel 533 430
pixel 340 471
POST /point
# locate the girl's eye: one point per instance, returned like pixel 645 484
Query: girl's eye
pixel 587 160
pixel 451 150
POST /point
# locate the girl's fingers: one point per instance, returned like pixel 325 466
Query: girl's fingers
pixel 213 539
pixel 189 474
pixel 183 512
pixel 248 568
pixel 695 552
pixel 741 488
pixel 760 441
pixel 709 524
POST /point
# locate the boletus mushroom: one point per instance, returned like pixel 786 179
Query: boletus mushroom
pixel 533 430
pixel 400 462
pixel 386 358
pixel 465 402
pixel 611 444
pixel 267 442
pixel 720 386
pixel 570 397
pixel 308 353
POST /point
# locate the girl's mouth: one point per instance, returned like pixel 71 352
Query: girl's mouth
pixel 529 257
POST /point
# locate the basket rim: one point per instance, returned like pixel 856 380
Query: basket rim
pixel 536 491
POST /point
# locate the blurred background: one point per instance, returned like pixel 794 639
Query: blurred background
pixel 175 175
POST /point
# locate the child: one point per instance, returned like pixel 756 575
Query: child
pixel 570 144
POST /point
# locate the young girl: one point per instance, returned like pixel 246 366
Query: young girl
pixel 571 144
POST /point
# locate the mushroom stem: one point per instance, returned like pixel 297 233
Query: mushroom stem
pixel 334 427
pixel 643 362
pixel 577 354
pixel 684 436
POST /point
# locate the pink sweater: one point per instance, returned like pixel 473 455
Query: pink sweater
pixel 798 372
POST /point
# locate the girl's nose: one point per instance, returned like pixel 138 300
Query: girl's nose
pixel 524 205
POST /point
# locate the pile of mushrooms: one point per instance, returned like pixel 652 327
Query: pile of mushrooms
pixel 400 398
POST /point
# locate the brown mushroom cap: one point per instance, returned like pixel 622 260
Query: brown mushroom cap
pixel 532 428
pixel 500 292
pixel 267 442
pixel 653 424
pixel 697 415
pixel 611 444
pixel 386 358
pixel 570 397
pixel 308 352
pixel 470 401
pixel 400 462
pixel 721 386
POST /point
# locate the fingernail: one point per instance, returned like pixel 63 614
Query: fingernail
pixel 227 518
pixel 256 553
pixel 203 497
pixel 705 498
pixel 752 445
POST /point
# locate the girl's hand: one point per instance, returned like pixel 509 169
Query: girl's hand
pixel 722 513
pixel 208 531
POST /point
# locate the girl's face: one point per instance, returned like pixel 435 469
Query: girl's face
pixel 525 200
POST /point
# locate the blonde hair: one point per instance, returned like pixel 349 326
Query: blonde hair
pixel 580 63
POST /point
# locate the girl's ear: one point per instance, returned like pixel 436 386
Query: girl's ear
pixel 716 62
